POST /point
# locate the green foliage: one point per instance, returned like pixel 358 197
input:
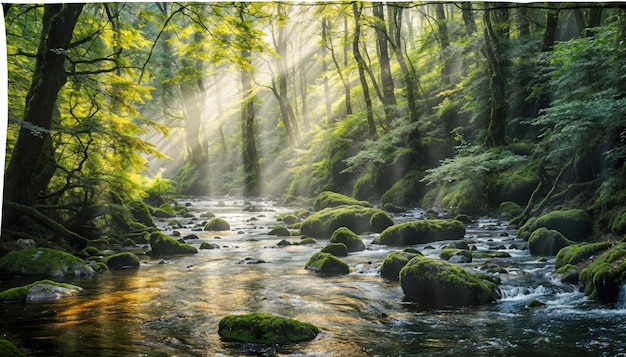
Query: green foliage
pixel 8 349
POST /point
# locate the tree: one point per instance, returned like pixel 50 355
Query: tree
pixel 357 9
pixel 382 39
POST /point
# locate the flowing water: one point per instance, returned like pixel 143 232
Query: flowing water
pixel 171 306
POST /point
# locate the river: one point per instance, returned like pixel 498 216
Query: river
pixel 171 306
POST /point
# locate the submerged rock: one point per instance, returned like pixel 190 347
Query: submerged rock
pixel 43 262
pixel 40 290
pixel 163 244
pixel 265 329
pixel 437 284
pixel 546 242
pixel 327 263
pixel 456 255
pixel 422 231
pixel 349 238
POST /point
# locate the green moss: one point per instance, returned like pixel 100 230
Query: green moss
pixel 323 223
pixel 490 254
pixel 169 209
pixel 20 293
pixel 349 238
pixel 332 199
pixel 174 223
pixel 336 249
pixel 394 262
pixel 89 251
pixel 603 278
pixel 164 245
pixel 575 254
pixel 288 218
pixel 405 192
pixel 8 349
pixel 217 224
pixel 306 241
pixel 43 262
pixel 510 209
pixel 547 242
pixel 423 231
pixel 265 329
pixel 280 231
pixel 122 260
pixel 380 221
pixel 534 303
pixel 141 213
pixel 448 253
pixel 515 184
pixel 327 263
pixel 574 224
pixel 392 207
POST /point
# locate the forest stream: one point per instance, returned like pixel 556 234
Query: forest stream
pixel 172 306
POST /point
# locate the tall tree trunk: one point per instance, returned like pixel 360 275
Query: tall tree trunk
pixel 468 18
pixel 444 43
pixel 23 182
pixel 549 32
pixel 386 79
pixel 193 122
pixel 325 39
pixel 496 131
pixel 594 18
pixel 357 8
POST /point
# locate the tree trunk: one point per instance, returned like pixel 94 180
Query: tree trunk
pixel 444 43
pixel 325 40
pixel 21 184
pixel 251 167
pixel 287 113
pixel 357 8
pixel 549 33
pixel 386 79
pixel 496 131
pixel 594 18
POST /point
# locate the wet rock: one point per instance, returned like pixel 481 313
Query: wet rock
pixel 322 224
pixel 40 290
pixel 574 254
pixel 265 329
pixel 422 231
pixel 290 219
pixel 217 224
pixel 328 199
pixel 44 262
pixel 574 224
pixel 124 260
pixel 437 284
pixel 280 231
pixel 164 245
pixel 348 238
pixel 394 262
pixel 306 241
pixel 190 237
pixel 604 277
pixel 545 242
pixel 336 249
pixel 252 260
pixel 327 263
pixel 283 243
pixel 206 245
pixel 455 255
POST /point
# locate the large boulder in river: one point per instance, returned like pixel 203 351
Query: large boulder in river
pixel 124 260
pixel 336 249
pixel 322 224
pixel 327 264
pixel 603 279
pixel 574 254
pixel 547 242
pixel 394 262
pixel 422 231
pixel 265 329
pixel 163 244
pixel 43 262
pixel 574 224
pixel 40 290
pixel 332 199
pixel 437 284
pixel 217 224
pixel 349 238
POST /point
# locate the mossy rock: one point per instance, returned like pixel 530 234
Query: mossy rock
pixel 466 219
pixel 328 199
pixel 574 224
pixel 515 184
pixel 406 191
pixel 90 251
pixel 8 349
pixel 392 207
pixel 217 224
pixel 547 242
pixel 306 241
pixel 124 260
pixel 394 262
pixel 510 209
pixel 569 274
pixel 265 329
pixel 289 219
pixel 603 278
pixel 44 262
pixel 280 231
pixel 207 245
pixel 169 209
pixel 437 284
pixel 349 238
pixel 141 213
pixel 423 231
pixel 534 303
pixel 576 253
pixel 322 224
pixel 336 249
pixel 458 244
pixel 327 264
pixel 487 254
pixel 163 244
pixel 40 290
pixel 455 255
pixel 174 223
pixel 380 221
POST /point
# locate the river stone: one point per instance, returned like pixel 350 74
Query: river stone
pixel 603 278
pixel 217 224
pixel 332 199
pixel 290 219
pixel 394 262
pixel 322 224
pixel 280 231
pixel 336 249
pixel 422 231
pixel 163 244
pixel 546 242
pixel 265 329
pixel 455 255
pixel 574 224
pixel 349 238
pixel 43 262
pixel 433 283
pixel 40 290
pixel 124 260
pixel 327 263
pixel 574 254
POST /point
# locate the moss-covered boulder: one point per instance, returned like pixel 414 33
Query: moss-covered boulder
pixel 217 224
pixel 336 249
pixel 577 253
pixel 328 199
pixel 163 244
pixel 327 263
pixel 289 219
pixel 547 242
pixel 141 213
pixel 510 209
pixel 380 221
pixel 280 231
pixel 207 245
pixel 8 349
pixel 437 284
pixel 456 255
pixel 40 290
pixel 394 262
pixel 43 262
pixel 265 329
pixel 603 278
pixel 405 192
pixel 322 224
pixel 574 224
pixel 423 231
pixel 124 260
pixel 349 238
